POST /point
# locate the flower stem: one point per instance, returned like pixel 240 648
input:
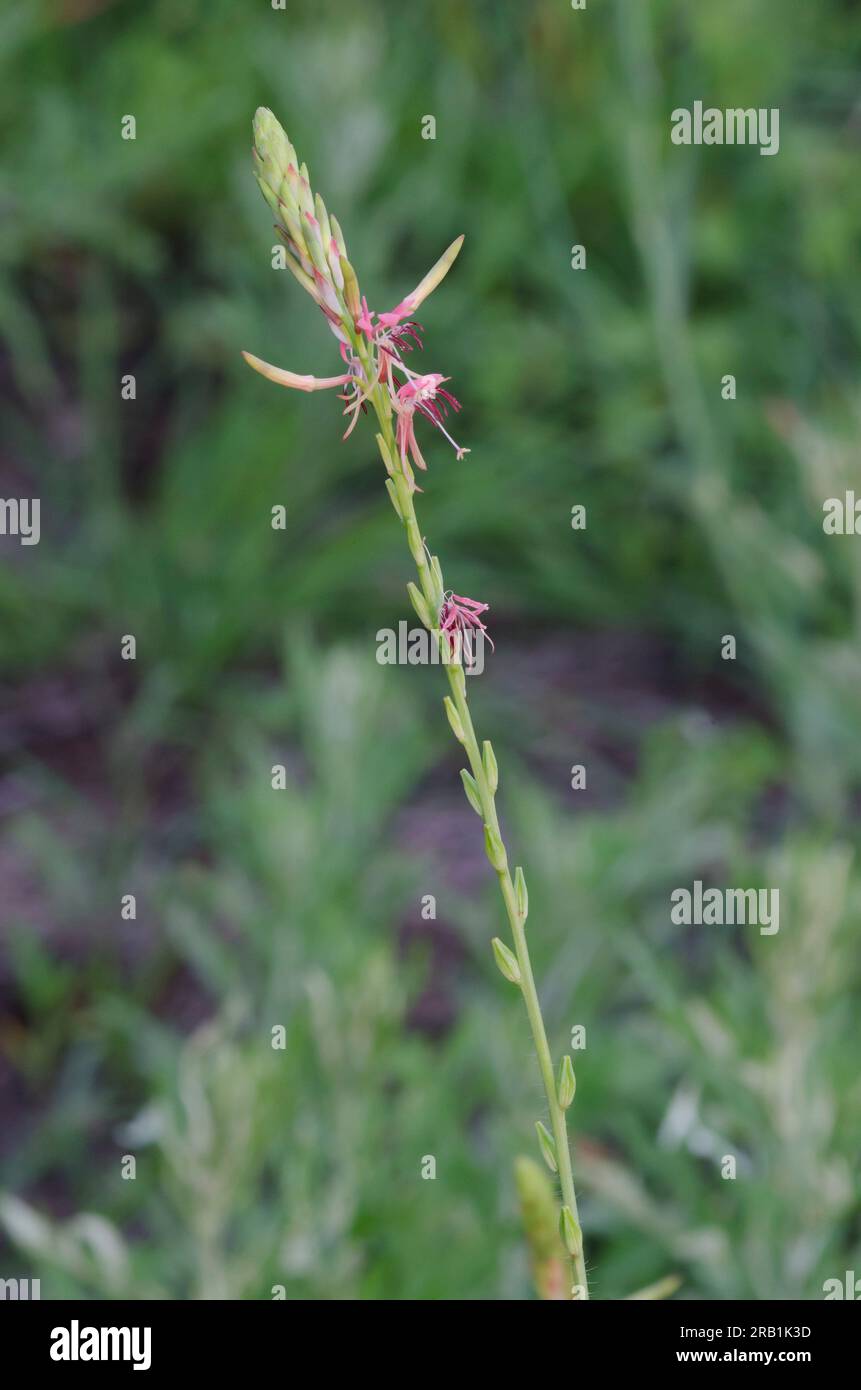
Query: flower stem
pixel 431 588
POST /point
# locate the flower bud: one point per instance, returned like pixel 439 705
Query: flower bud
pixel 495 849
pixel 436 273
pixel 491 771
pixel 272 147
pixel 419 604
pixel 506 960
pixel 521 894
pixel 567 1082
pixel 352 298
pixel 393 498
pixel 548 1148
pixel 471 788
pixel 454 719
pixel 570 1232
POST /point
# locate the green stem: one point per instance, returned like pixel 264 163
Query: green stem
pixel 430 589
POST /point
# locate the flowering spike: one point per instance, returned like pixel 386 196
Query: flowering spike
pixel 373 346
pixel 506 960
pixel 303 222
pixel 548 1148
pixel 273 149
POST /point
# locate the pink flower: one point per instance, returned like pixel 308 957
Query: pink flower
pixel 458 618
pixel 365 320
pixel 425 394
pixel 318 261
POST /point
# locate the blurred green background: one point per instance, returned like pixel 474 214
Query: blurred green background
pixel 256 908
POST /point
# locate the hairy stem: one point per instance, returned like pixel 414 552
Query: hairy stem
pixel 432 590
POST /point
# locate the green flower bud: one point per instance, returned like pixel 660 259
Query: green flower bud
pixel 436 571
pixel 506 960
pixel 385 455
pixel 352 297
pixel 521 894
pixel 323 219
pixel 567 1082
pixel 491 771
pixel 273 149
pixel 548 1148
pixel 471 789
pixel 338 235
pixel 419 604
pixel 570 1232
pixel 393 497
pixel 454 719
pixel 495 849
pixel 458 679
